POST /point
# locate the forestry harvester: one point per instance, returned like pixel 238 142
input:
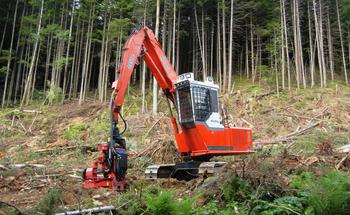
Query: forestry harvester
pixel 198 128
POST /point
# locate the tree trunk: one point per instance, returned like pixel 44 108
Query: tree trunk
pixel 28 84
pixel 204 48
pixel 247 56
pixel 87 54
pixel 252 50
pixel 286 44
pixel 19 72
pixel 330 47
pixel 283 66
pixel 296 43
pixel 35 72
pixel 72 74
pixel 312 58
pixel 211 49
pixel 174 32
pixel 155 86
pixel 65 77
pixel 342 44
pixel 4 30
pixel 9 60
pixel 318 42
pixel 323 63
pixel 300 47
pixel 201 48
pixel 224 47
pixel 102 59
pixel 178 42
pixel 218 63
pixel 230 50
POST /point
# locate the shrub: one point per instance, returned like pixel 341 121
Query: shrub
pixel 237 189
pixel 211 208
pixel 328 194
pixel 49 204
pixel 54 95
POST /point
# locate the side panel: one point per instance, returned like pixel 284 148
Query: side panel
pixel 202 141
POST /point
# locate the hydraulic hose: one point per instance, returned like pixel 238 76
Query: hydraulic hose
pixel 125 124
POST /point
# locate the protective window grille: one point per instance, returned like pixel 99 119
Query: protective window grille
pixel 214 101
pixel 202 108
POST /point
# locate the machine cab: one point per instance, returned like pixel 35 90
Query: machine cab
pixel 197 102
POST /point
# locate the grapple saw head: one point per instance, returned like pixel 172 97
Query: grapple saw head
pixel 107 172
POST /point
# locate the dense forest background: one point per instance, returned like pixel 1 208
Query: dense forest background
pixel 72 47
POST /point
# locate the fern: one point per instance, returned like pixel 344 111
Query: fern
pixel 328 194
pixel 164 203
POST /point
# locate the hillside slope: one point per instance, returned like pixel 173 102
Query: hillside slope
pixel 44 148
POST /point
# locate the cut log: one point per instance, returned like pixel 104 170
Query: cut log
pixel 344 149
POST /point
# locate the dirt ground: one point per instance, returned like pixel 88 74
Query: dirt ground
pixel 50 161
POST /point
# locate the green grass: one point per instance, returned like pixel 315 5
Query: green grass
pixel 308 144
pixel 75 131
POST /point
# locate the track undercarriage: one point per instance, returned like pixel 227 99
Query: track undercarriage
pixel 183 171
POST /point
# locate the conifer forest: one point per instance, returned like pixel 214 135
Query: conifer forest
pixel 75 46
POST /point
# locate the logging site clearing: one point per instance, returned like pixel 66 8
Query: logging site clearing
pixel 301 164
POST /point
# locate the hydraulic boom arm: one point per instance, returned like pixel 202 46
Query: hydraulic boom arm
pixel 153 55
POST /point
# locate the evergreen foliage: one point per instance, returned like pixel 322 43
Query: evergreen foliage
pixel 80 42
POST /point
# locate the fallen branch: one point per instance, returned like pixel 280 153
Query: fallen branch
pixel 34 187
pixel 258 97
pixel 149 130
pixel 19 166
pixel 50 176
pixel 342 161
pixel 295 116
pixel 246 122
pixel 25 111
pixel 24 129
pixel 232 93
pixel 89 211
pixel 12 128
pixel 87 147
pixel 288 137
pixel 33 111
pixel 144 151
pixel 31 125
pixel 12 206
